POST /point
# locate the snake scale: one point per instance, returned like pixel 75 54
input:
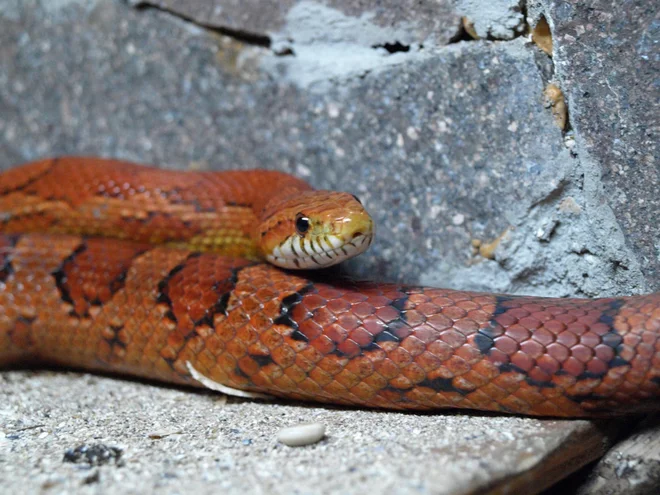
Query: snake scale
pixel 110 266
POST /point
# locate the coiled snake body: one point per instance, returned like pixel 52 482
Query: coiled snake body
pixel 174 314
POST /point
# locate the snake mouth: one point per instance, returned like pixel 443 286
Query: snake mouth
pixel 300 253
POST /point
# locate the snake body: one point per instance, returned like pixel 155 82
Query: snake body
pixel 158 312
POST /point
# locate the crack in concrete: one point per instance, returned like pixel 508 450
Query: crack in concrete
pixel 238 34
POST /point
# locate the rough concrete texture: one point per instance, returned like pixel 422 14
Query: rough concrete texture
pixel 446 143
pixel 606 57
pixel 499 19
pixel 371 21
pixel 178 441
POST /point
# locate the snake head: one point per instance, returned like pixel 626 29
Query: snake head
pixel 314 229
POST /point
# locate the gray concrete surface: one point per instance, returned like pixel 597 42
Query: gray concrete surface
pixel 180 441
pixel 447 141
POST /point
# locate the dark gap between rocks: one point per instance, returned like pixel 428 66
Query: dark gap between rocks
pixel 396 47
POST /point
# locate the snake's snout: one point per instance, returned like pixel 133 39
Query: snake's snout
pixel 323 230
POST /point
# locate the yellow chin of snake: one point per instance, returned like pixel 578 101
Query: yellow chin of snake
pixel 326 243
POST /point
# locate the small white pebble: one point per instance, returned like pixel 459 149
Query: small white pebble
pixel 458 219
pixel 412 133
pixel 302 434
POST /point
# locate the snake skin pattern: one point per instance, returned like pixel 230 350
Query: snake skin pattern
pixel 130 308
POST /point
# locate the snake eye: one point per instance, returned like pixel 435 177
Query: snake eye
pixel 302 223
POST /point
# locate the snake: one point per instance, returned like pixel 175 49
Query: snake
pixel 208 279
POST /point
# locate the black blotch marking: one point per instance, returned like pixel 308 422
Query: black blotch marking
pixel 442 385
pixel 612 338
pixel 509 367
pixel 656 380
pixel 286 308
pixel 114 341
pixel 28 183
pixel 163 296
pixel 485 337
pixel 61 278
pixel 262 360
pixel 400 322
pixel 7 268
pixel 241 373
pixel 538 383
pixel 512 368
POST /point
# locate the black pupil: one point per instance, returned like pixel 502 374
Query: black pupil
pixel 302 224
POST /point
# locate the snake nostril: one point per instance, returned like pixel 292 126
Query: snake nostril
pixel 357 234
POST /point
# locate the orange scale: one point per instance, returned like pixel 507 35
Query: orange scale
pixel 467 305
pixel 538 374
pixel 363 309
pixel 469 353
pixel 596 366
pixel 529 323
pixel 522 361
pixel 418 298
pixel 388 314
pixel 428 309
pixel 295 374
pixel 387 368
pixel 320 376
pixel 426 334
pixel 401 382
pixel 506 319
pixel 506 344
pixel 532 348
pixel 414 318
pixel 573 366
pixel 519 333
pixel 400 356
pixel 428 361
pixel 323 344
pixel 338 306
pixel 439 322
pixel 349 348
pixel 354 297
pixel 480 315
pixel 284 356
pixel 453 338
pixel 442 301
pixel 348 322
pixel 457 365
pixel 310 329
pixel 440 349
pixel 631 339
pixel 413 345
pixel 271 338
pixel 379 301
pixel 548 364
pixel 466 326
pixel 645 351
pixel 414 372
pixel 454 312
pixel 347 379
pixel 361 336
pixel 324 317
pixel 361 366
pixel 650 338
